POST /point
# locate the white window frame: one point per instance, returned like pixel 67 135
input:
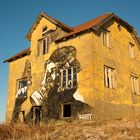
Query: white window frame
pixel 135 85
pixel 106 38
pixel 66 84
pixel 110 77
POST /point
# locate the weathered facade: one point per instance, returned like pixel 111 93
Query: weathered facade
pixel 92 68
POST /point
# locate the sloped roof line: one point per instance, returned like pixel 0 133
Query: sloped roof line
pixel 18 55
pixel 94 24
pixel 51 19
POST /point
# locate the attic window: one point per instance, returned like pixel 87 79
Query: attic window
pixel 106 38
pixel 44 29
pixel 119 27
pixel 131 50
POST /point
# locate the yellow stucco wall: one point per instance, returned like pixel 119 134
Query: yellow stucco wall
pixel 92 56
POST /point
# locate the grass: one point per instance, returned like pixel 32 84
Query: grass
pixel 74 130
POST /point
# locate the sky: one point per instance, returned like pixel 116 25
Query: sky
pixel 17 16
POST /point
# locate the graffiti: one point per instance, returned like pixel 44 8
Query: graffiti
pixel 27 71
pixel 22 87
pixel 58 95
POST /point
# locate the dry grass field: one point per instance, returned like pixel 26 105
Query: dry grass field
pixel 72 130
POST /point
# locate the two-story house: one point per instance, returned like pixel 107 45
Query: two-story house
pixel 93 68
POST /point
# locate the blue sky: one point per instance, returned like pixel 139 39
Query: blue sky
pixel 17 16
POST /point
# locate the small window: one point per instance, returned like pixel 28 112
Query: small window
pixel 106 38
pixel 135 85
pixel 119 27
pixel 110 77
pixel 131 50
pixel 44 29
pixel 22 83
pixel 42 46
pixel 69 78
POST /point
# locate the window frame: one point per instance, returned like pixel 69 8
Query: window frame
pixel 42 46
pixel 105 37
pixel 131 50
pixel 72 79
pixel 18 82
pixel 110 77
pixel 135 87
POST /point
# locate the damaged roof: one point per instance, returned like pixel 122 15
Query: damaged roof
pixel 19 55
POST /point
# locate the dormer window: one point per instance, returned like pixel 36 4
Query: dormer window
pixel 131 50
pixel 106 38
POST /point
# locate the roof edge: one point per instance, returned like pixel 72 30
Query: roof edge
pixel 21 54
pixel 51 19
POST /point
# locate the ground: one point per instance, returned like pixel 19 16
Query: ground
pixel 73 130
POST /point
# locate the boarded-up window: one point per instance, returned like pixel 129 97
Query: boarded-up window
pixel 110 77
pixel 106 38
pixel 131 50
pixel 69 78
pixel 135 85
pixel 42 46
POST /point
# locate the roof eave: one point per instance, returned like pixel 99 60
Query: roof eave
pixel 51 19
pixel 13 58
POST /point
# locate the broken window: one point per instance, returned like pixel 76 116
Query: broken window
pixel 131 50
pixel 69 78
pixel 110 77
pixel 135 85
pixel 65 110
pixel 106 38
pixel 42 46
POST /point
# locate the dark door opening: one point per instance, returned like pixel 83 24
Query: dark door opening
pixel 36 115
pixel 67 110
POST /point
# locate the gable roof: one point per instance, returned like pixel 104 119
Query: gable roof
pixel 51 19
pixel 94 24
pixel 19 55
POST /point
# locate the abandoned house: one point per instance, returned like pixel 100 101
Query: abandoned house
pixel 88 71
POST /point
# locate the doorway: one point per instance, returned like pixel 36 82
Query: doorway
pixel 37 115
pixel 65 110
